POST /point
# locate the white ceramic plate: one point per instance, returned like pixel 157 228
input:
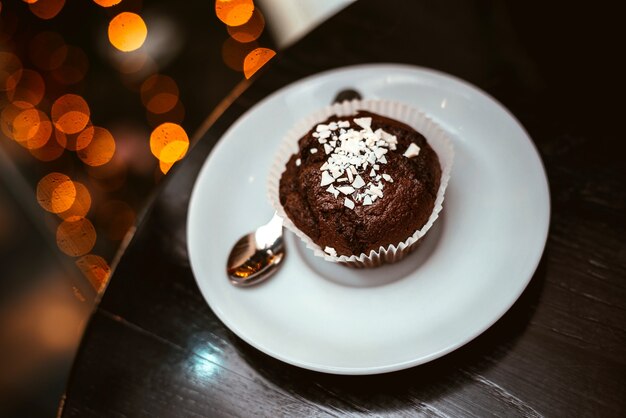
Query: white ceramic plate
pixel 469 270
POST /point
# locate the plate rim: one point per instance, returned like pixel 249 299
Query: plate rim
pixel 522 284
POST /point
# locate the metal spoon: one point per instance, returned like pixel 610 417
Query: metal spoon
pixel 257 255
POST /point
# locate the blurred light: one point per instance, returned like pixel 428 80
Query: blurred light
pixel 42 134
pixel 76 237
pixel 127 31
pixel 174 151
pixel 175 115
pixel 74 64
pixel 30 1
pixel 58 325
pixel 107 3
pixel 165 167
pixel 81 205
pixel 46 50
pixel 9 65
pixel 49 152
pixel 70 113
pixel 133 62
pixel 169 142
pixel 46 9
pixel 100 149
pixel 114 168
pixel 256 59
pixel 159 93
pixel 167 38
pixel 23 124
pixel 164 44
pixel 56 192
pixel 234 53
pixel 205 362
pixel 249 31
pixel 76 141
pixel 39 130
pixel 234 12
pixel 95 269
pixel 116 217
pixel 26 86
pixel 8 115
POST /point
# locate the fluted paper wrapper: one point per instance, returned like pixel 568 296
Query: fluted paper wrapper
pixel 418 120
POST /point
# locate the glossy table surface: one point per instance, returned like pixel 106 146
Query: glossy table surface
pixel 154 348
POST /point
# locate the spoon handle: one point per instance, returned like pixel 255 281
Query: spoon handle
pixel 267 234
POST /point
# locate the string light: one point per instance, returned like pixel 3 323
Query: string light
pixel 234 12
pixel 40 114
pixel 100 148
pixel 127 31
pixel 70 113
pixel 56 192
pixel 255 60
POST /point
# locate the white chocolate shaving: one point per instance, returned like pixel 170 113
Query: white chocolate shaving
pixel 412 151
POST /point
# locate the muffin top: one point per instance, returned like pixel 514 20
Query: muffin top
pixel 358 183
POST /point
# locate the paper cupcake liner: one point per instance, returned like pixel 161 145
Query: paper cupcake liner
pixel 437 138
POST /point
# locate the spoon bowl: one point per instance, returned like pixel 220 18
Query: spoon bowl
pixel 257 255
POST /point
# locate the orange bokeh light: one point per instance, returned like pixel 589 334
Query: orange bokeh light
pixel 174 151
pixel 169 142
pixel 249 31
pixel 74 64
pixel 32 129
pixel 42 133
pixel 76 237
pixel 255 60
pixel 25 124
pixel 234 53
pixel 25 86
pixel 46 9
pixel 127 31
pixel 49 152
pixel 175 115
pixel 95 269
pixel 234 12
pixel 107 3
pixel 8 115
pixel 159 93
pixel 9 65
pixel 46 50
pixel 165 167
pixel 81 205
pixel 101 147
pixel 56 192
pixel 70 113
pixel 74 142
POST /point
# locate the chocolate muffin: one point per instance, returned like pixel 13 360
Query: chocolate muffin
pixel 358 183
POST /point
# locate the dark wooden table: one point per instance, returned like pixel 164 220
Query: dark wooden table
pixel 154 348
